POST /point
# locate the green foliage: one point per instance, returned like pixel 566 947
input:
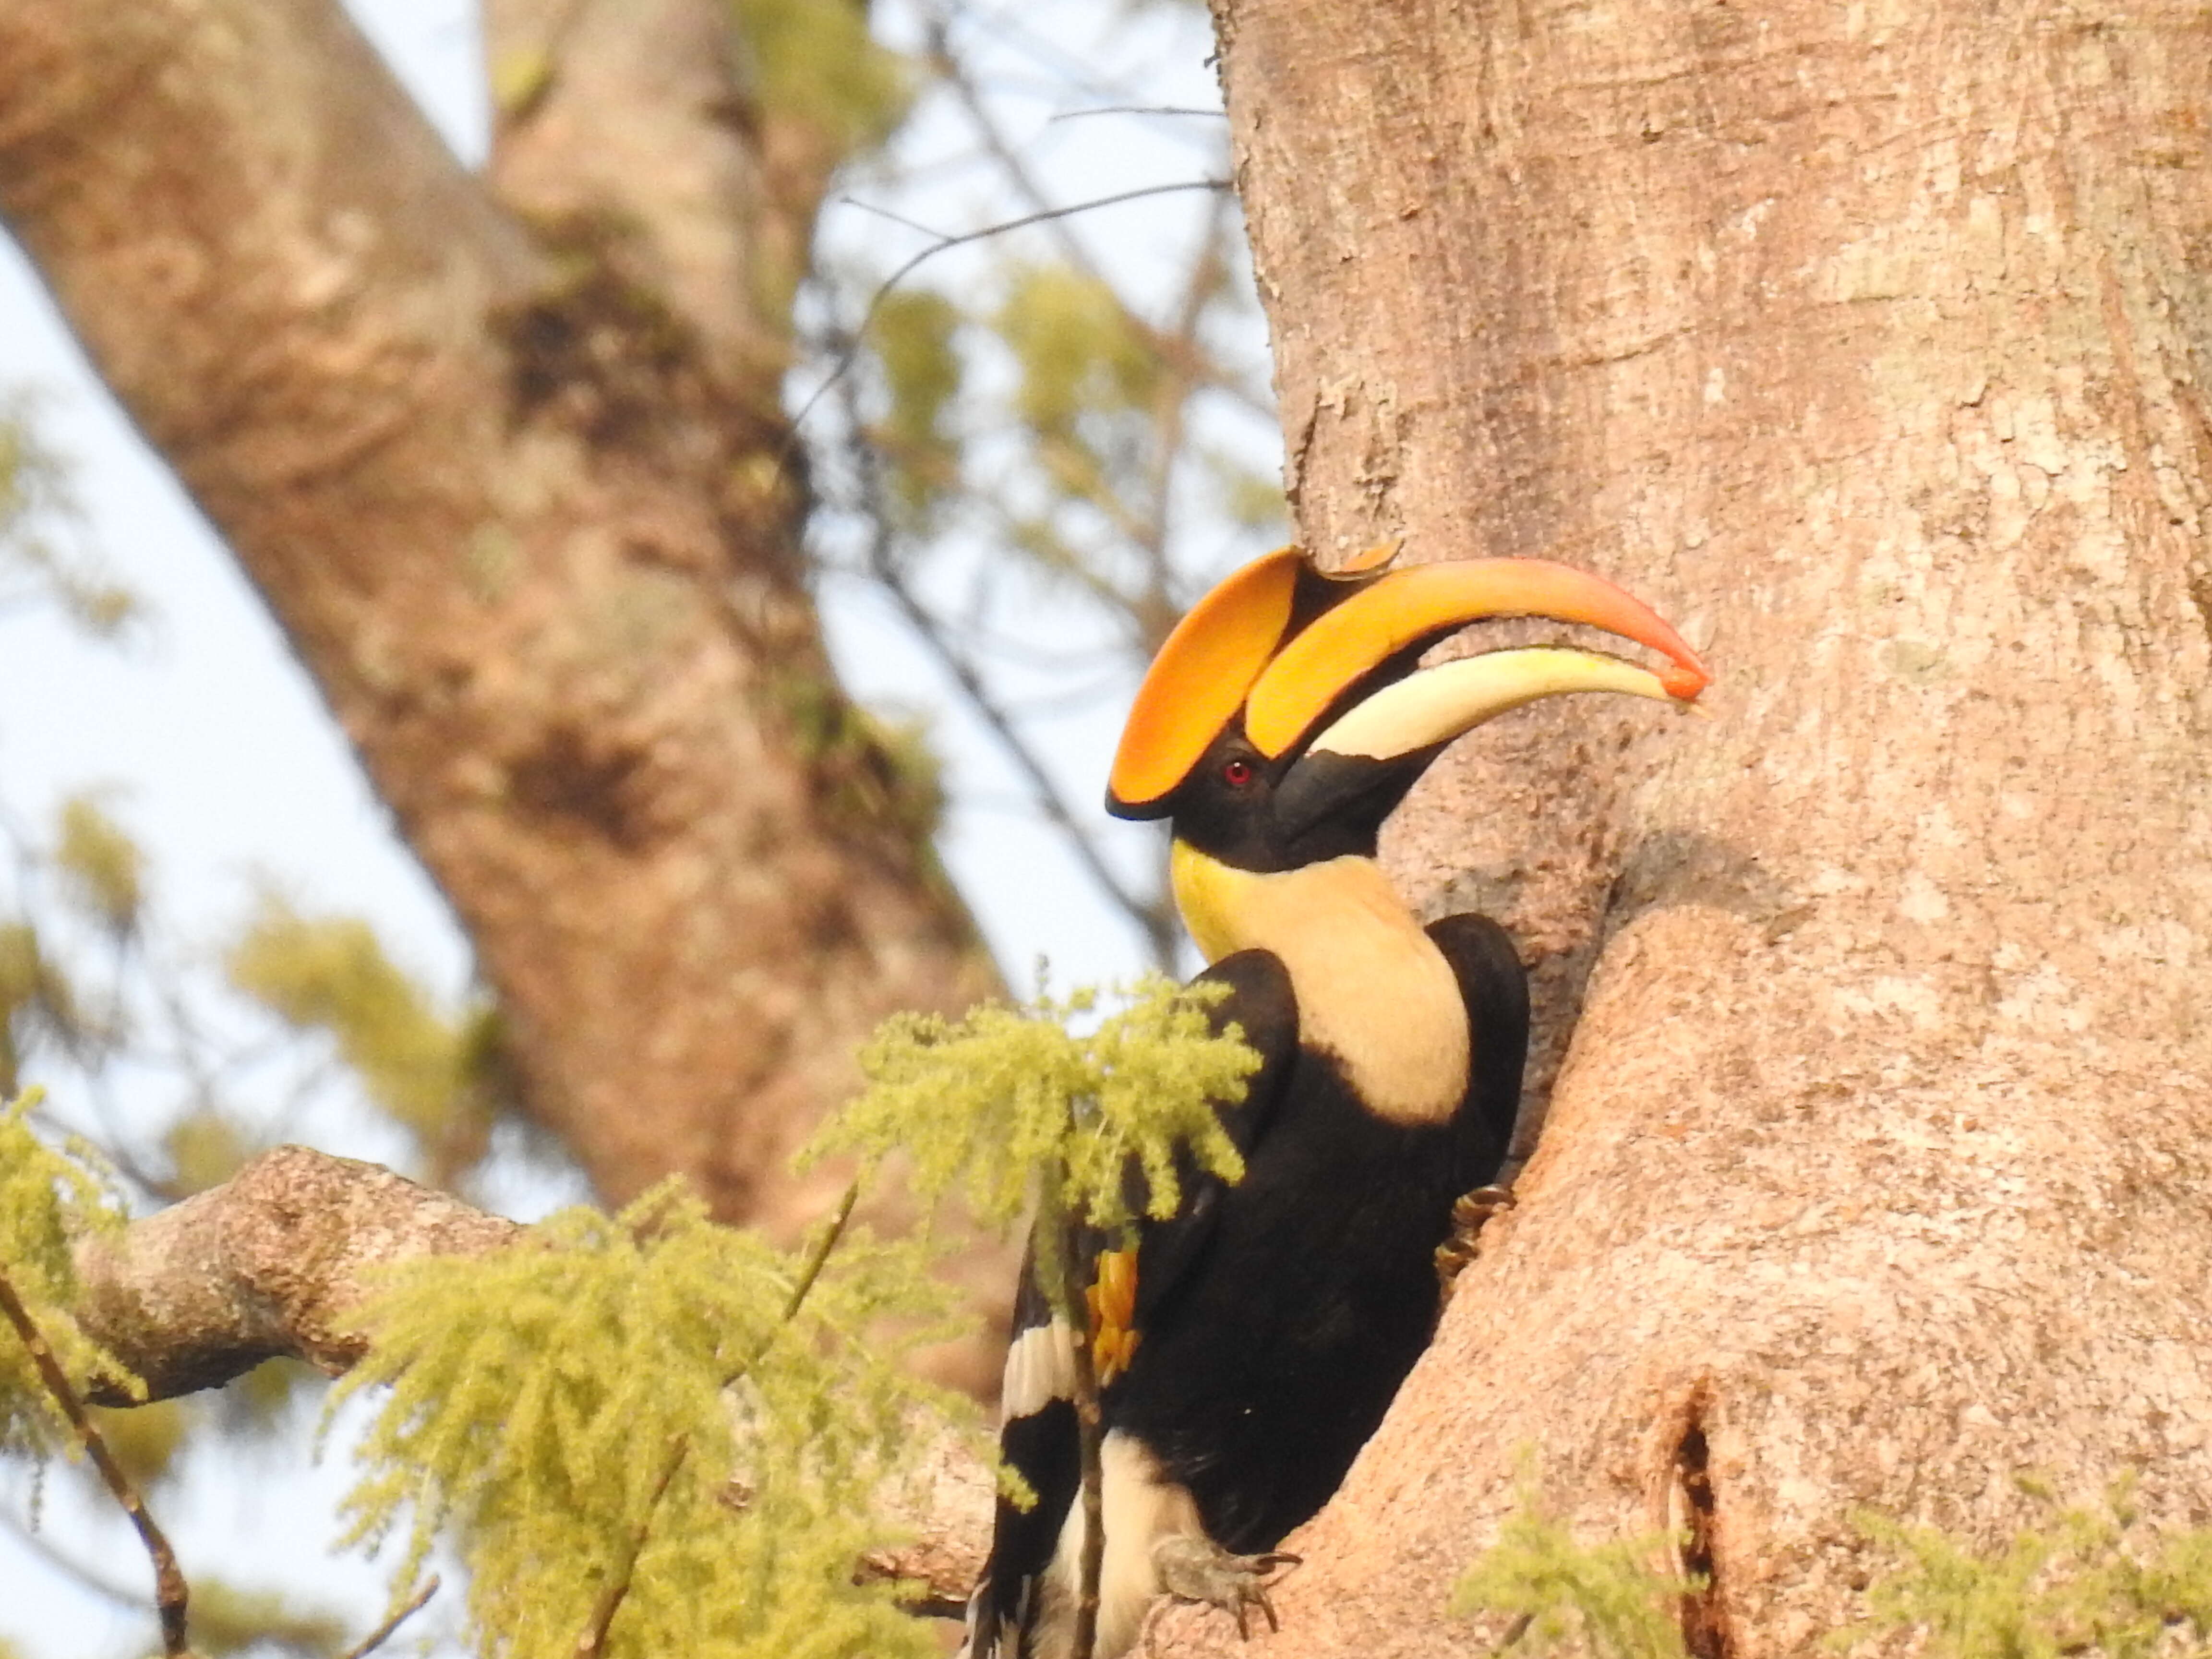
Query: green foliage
pixel 332 974
pixel 144 1440
pixel 1088 377
pixel 205 1148
pixel 228 1620
pixel 871 769
pixel 1613 1600
pixel 2087 1580
pixel 980 1104
pixel 816 62
pixel 49 1199
pixel 34 992
pixel 913 335
pixel 102 864
pixel 35 562
pixel 596 1384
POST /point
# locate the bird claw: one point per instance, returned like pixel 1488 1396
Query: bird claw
pixel 1468 1214
pixel 1196 1569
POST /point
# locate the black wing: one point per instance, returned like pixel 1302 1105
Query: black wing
pixel 1037 1437
pixel 1262 1005
pixel 1495 989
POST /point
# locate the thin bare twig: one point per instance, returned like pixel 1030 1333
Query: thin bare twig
pixel 1138 109
pixel 1151 916
pixel 949 70
pixel 844 366
pixel 377 1637
pixel 171 1594
pixel 816 1259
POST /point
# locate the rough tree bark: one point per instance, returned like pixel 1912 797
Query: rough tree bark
pixel 506 458
pixel 1869 343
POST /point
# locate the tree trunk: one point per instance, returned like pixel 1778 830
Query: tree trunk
pixel 509 467
pixel 1868 343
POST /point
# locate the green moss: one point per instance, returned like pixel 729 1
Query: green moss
pixel 869 770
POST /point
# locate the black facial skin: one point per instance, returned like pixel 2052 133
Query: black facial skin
pixel 1253 813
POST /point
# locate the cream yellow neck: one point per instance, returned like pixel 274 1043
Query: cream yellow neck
pixel 1373 990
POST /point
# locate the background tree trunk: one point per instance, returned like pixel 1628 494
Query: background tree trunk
pixel 1868 344
pixel 507 460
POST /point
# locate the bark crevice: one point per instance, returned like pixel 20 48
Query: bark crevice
pixel 1705 1630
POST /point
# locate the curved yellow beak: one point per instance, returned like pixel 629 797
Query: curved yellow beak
pixel 1281 646
pixel 1410 608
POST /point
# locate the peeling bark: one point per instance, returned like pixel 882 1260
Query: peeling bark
pixel 507 461
pixel 1869 344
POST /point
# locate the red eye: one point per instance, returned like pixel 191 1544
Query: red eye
pixel 1237 773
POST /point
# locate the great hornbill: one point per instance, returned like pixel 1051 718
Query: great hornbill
pixel 1248 1345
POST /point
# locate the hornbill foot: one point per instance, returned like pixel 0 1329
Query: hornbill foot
pixel 1194 1568
pixel 1468 1214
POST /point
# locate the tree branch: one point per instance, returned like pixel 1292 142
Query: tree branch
pixel 276 1260
pixel 171 1594
pixel 273 1261
pixel 377 1637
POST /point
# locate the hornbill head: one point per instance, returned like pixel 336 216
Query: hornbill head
pixel 1287 715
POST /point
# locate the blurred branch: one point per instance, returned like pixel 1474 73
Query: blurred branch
pixel 72 1569
pixel 1152 914
pixel 377 1637
pixel 843 365
pixel 1138 109
pixel 171 1593
pixel 1176 345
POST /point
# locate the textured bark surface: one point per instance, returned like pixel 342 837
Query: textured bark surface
pixel 280 1258
pixel 1869 343
pixel 274 1262
pixel 509 473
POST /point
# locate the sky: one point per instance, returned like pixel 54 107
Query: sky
pixel 217 753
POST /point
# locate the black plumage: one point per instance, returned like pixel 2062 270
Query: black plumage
pixel 1274 1318
pixel 1278 1315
